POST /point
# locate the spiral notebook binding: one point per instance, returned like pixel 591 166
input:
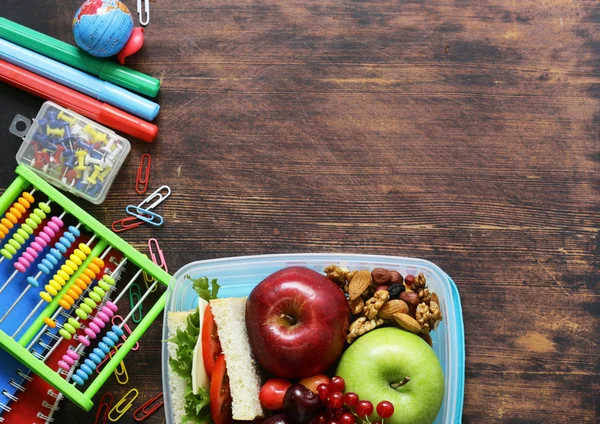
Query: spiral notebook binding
pixel 10 396
pixel 52 335
pixel 47 405
pixel 24 376
pixel 4 407
pixel 53 394
pixel 37 355
pixel 17 385
pixel 46 418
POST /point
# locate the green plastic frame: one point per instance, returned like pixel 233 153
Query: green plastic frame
pixel 24 180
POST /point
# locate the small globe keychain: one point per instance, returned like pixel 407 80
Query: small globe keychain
pixel 105 28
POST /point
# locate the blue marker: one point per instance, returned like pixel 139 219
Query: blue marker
pixel 77 80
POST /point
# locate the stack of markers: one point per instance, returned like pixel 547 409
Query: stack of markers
pixel 45 66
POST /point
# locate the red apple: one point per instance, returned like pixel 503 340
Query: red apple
pixel 297 321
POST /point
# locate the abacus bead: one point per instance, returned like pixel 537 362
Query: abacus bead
pixel 64 334
pixel 87 369
pixel 44 268
pixel 90 363
pixel 89 333
pixel 14 243
pixel 112 336
pixel 28 256
pixel 49 322
pixel 95 297
pixel 85 248
pixel 79 254
pixel 72 354
pixel 19 265
pixel 64 365
pixel 77 290
pixel 11 217
pixel 108 341
pixel 104 348
pixel 90 302
pixel 99 353
pixel 85 308
pixel 16 212
pixel 68 360
pixel 59 280
pixel 56 253
pixel 23 233
pixel 10 249
pixel 17 238
pixel 102 316
pixel 81 314
pixel 46 296
pixel 34 219
pixel 54 285
pixel 27 228
pixel 51 227
pixel 69 328
pixel 72 294
pixel 94 268
pixel 65 242
pixel 33 282
pixel 112 306
pixel 45 236
pixel 99 291
pixel 64 304
pixel 47 263
pixel 23 202
pixel 43 206
pixel 67 269
pixel 74 323
pixel 76 259
pixel 61 247
pixel 19 207
pixel 6 223
pixel 92 325
pixel 51 290
pixel 99 263
pixel 117 330
pixel 56 220
pixel 69 263
pixel 36 244
pixel 109 312
pixel 69 237
pixel 51 259
pixel 80 284
pixel 4 229
pixel 98 321
pixel 108 279
pixel 5 252
pixel 84 341
pixel 27 196
pixel 77 380
pixel 82 374
pixel 74 230
pixel 62 274
pixel 89 273
pixel 103 286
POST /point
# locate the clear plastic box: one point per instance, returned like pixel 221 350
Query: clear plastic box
pixel 70 151
pixel 238 276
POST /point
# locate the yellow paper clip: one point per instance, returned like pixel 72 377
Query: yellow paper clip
pixel 148 280
pixel 120 408
pixel 120 371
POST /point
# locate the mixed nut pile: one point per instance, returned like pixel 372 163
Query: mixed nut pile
pixel 385 297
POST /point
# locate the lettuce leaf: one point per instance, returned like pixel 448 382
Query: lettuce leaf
pixel 207 290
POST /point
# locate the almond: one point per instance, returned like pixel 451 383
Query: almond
pixel 381 276
pixel 408 323
pixel 359 283
pixel 392 307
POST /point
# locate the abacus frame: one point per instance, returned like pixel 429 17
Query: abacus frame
pixel 17 348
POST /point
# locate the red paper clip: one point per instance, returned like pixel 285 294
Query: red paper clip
pixel 159 252
pixel 155 403
pixel 123 224
pixel 143 175
pixel 117 320
pixel 104 405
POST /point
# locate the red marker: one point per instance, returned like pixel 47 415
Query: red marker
pixel 80 103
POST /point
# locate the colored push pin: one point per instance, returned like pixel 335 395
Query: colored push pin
pixel 77 131
pixel 109 146
pixel 86 174
pixel 64 117
pixel 89 160
pixel 58 153
pixel 58 132
pixel 92 179
pixel 89 130
pixel 81 154
pixel 93 190
pixel 101 138
pixel 38 160
pixel 104 173
pixel 116 153
pixel 51 115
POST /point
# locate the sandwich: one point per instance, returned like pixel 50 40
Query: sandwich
pixel 209 354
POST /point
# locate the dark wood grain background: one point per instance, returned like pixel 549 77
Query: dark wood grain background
pixel 460 131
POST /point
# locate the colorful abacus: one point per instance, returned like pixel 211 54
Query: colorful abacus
pixel 56 289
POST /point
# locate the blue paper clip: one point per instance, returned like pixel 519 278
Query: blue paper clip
pixel 145 215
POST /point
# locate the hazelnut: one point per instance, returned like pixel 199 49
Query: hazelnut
pixel 409 280
pixel 411 299
pixel 396 277
pixel 381 276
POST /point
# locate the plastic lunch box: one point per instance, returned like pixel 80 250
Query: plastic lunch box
pixel 238 276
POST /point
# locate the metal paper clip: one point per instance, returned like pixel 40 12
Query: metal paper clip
pixel 145 215
pixel 149 408
pixel 155 198
pixel 105 405
pixel 143 22
pixel 159 252
pixel 121 407
pixel 143 173
pixel 125 224
pixel 117 320
pixel 135 294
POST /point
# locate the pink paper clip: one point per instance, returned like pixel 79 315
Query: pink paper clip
pixel 117 320
pixel 149 408
pixel 125 224
pixel 143 174
pixel 159 252
pixel 105 405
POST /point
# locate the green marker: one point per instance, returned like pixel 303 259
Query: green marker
pixel 106 70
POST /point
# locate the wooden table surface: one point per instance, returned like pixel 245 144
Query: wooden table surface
pixel 463 132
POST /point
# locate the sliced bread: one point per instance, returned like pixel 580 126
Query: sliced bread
pixel 177 385
pixel 242 369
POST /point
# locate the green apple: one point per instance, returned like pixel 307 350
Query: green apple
pixel 395 365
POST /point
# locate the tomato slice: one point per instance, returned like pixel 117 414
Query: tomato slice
pixel 220 395
pixel 211 346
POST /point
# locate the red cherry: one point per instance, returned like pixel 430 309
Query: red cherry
pixel 364 408
pixel 351 399
pixel 323 391
pixel 337 384
pixel 334 422
pixel 319 419
pixel 385 409
pixel 347 418
pixel 335 400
